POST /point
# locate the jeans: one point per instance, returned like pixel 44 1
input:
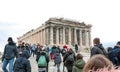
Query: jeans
pixel 58 67
pixel 5 63
pixel 42 70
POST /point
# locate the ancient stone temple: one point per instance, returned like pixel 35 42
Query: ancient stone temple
pixel 59 31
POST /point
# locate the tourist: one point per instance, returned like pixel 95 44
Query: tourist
pixel 42 60
pixel 78 64
pixel 76 48
pixel 63 52
pixel 38 49
pixel 27 47
pixel 66 48
pixel 114 54
pixel 98 48
pixel 34 46
pixel 57 60
pixel 20 50
pixel 69 59
pixel 22 64
pixel 10 52
pixel 96 62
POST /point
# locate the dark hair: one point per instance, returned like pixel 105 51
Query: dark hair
pixel 10 39
pixel 96 41
pixel 118 43
pixel 79 56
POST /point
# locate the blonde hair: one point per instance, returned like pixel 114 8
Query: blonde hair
pixel 97 62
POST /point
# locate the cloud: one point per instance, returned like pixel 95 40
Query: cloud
pixel 7 30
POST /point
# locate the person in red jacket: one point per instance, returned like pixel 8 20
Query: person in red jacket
pixel 66 48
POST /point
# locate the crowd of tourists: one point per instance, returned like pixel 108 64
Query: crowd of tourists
pixel 101 59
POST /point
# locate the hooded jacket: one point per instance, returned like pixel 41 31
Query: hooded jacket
pixel 10 51
pixel 78 65
pixel 67 64
pixel 22 64
pixel 98 49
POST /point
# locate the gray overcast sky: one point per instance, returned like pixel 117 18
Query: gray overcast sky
pixel 19 16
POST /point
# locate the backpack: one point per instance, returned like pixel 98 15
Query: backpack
pixel 19 66
pixel 57 58
pixel 63 51
pixel 70 58
pixel 42 61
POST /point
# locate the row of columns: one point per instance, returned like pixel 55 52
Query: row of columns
pixel 40 37
pixel 87 36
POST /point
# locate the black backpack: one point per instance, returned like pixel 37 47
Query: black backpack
pixel 57 58
pixel 70 58
pixel 63 51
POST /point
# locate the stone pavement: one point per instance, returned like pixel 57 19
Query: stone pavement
pixel 52 68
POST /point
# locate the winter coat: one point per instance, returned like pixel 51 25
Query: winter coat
pixel 10 51
pixel 67 64
pixel 57 58
pixel 78 65
pixel 98 49
pixel 76 47
pixel 22 64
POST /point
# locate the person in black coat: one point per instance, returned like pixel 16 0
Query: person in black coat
pixel 76 48
pixel 10 52
pixel 98 48
pixel 69 65
pixel 22 64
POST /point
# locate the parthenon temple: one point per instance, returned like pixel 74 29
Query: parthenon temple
pixel 59 32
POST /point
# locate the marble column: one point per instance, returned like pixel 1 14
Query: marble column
pixel 37 37
pixel 57 36
pixel 41 37
pixel 63 35
pixel 89 38
pixel 81 37
pixel 86 38
pixel 51 35
pixel 44 37
pixel 69 36
pixel 75 38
